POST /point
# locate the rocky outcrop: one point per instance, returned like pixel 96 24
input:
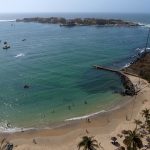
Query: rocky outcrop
pixel 129 88
pixel 140 66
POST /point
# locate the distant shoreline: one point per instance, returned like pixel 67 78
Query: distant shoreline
pixel 80 21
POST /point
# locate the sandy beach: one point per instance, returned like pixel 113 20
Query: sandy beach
pixel 102 126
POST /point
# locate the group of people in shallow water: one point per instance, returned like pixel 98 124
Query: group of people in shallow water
pixel 69 106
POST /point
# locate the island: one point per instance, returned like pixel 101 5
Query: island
pixel 80 21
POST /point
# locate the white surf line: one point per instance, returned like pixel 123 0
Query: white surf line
pixel 13 20
pixel 86 116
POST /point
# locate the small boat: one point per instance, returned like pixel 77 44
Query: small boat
pixel 5 43
pixel 24 40
pixel 6 47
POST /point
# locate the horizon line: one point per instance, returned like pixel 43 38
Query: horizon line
pixel 74 12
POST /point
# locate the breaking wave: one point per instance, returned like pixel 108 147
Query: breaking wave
pixel 86 116
pixel 20 55
pixel 8 20
pixel 5 127
pixel 144 25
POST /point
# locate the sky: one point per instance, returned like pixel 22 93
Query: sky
pixel 123 6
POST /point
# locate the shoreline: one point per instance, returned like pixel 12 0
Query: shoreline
pixel 102 126
pixel 113 107
pixel 117 105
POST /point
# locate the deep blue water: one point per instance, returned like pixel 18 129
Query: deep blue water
pixel 57 63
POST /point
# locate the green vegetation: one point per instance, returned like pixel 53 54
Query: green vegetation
pixel 137 139
pixel 133 140
pixel 88 143
pixel 141 66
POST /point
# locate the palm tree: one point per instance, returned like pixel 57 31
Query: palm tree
pixel 125 132
pixel 88 143
pixel 146 113
pixel 137 122
pixel 3 144
pixel 133 140
pixel 148 125
pixel 114 139
pixel 120 148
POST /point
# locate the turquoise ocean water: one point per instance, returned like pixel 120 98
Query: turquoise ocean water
pixel 57 64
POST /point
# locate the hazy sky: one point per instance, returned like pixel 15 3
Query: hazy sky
pixel 136 6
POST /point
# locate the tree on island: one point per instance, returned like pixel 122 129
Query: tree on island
pixel 88 143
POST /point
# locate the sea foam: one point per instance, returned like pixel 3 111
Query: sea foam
pixel 8 20
pixel 5 127
pixel 20 55
pixel 144 25
pixel 86 116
